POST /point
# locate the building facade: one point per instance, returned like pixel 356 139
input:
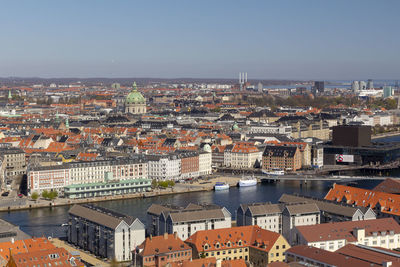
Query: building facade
pixel 161 251
pixel 103 232
pixel 281 157
pixel 383 233
pixel 164 167
pixel 76 173
pixel 14 160
pixel 256 246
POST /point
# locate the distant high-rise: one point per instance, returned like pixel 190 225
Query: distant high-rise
pixel 370 84
pixel 260 87
pixel 363 85
pixel 387 91
pixel 319 87
pixel 355 86
pixel 242 80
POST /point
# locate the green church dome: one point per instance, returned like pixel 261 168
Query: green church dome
pixel 135 97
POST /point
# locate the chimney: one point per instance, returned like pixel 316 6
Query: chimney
pixel 151 237
pixel 165 235
pixel 175 235
pixel 218 263
pixel 12 240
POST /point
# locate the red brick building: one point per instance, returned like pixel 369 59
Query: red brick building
pixel 281 157
pixel 189 164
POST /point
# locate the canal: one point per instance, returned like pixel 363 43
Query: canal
pixel 48 221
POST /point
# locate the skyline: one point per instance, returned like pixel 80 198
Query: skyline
pixel 269 40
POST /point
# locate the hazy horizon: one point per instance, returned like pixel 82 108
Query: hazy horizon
pixel 281 40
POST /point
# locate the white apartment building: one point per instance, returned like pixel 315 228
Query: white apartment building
pixel 205 162
pixel 272 129
pixel 383 233
pixel 298 215
pixel 164 167
pixel 57 177
pixel 103 232
pixel 279 218
pixel 242 156
pixel 185 221
pixel 266 215
pixel 14 160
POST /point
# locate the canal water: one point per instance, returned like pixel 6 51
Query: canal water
pixel 48 221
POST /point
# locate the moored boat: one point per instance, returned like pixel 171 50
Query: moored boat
pixel 250 181
pixel 274 172
pixel 219 186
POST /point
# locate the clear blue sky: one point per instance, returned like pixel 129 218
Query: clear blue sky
pixel 297 39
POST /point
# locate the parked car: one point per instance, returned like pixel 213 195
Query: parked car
pixel 20 195
pixel 5 194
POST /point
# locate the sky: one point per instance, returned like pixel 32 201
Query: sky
pixel 280 39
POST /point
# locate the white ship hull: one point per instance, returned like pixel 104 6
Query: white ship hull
pixel 275 173
pixel 247 182
pixel 221 187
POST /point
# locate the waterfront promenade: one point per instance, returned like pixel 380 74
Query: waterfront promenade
pixel 15 203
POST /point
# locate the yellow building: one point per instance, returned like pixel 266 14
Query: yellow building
pixel 251 243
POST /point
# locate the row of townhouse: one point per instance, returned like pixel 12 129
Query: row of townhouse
pixel 179 165
pixel 118 176
pixel 236 246
pixel 85 173
pixel 289 156
pixel 382 119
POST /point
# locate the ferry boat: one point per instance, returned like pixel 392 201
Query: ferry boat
pixel 219 186
pixel 250 181
pixel 274 172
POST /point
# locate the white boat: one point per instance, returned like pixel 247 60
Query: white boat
pixel 274 172
pixel 250 181
pixel 219 186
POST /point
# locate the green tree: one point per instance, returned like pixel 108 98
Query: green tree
pixel 53 195
pixel 45 194
pixel 35 196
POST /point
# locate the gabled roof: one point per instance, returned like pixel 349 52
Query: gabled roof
pixel 167 243
pixel 389 185
pixel 238 237
pixel 196 215
pixel 345 230
pixel 100 215
pixel 306 208
pixel 324 205
pixel 280 151
pixel 264 208
pixel 388 203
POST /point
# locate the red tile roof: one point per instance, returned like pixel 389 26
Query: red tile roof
pixel 345 230
pixel 162 244
pixel 388 203
pixel 237 237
